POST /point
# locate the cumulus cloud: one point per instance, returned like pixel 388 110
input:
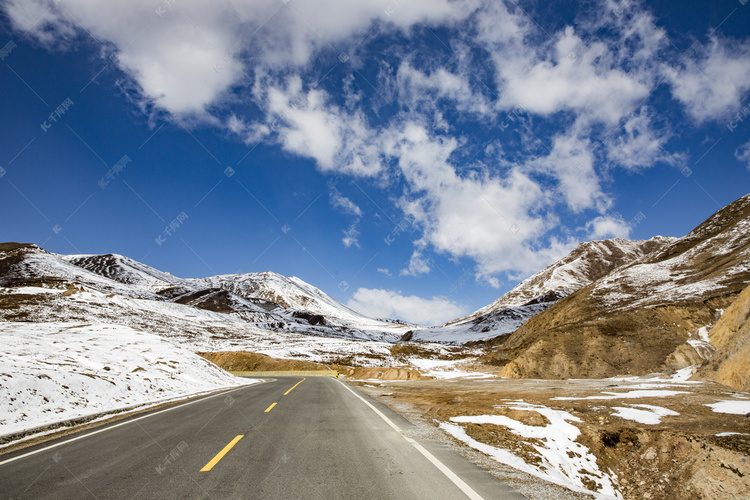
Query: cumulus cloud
pixel 571 163
pixel 183 56
pixel 418 88
pixel 308 124
pixel 565 74
pixel 380 303
pixel 712 79
pixel 351 236
pixel 177 54
pixel 607 226
pixel 418 265
pixel 493 219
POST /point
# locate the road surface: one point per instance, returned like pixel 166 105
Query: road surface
pixel 288 438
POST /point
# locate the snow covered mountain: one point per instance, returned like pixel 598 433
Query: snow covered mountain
pixel 124 270
pixel 266 300
pixel 630 320
pixel 588 262
pixel 27 264
pixel 289 293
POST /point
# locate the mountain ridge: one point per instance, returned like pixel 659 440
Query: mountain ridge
pixel 614 275
pixel 584 264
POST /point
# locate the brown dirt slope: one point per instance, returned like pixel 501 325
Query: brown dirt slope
pixel 631 320
pixel 731 337
pixel 243 361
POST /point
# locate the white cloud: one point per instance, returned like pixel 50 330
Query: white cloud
pixel 572 164
pixel 713 79
pixel 183 56
pixel 380 303
pixel 565 74
pixel 418 88
pixel 351 236
pixel 249 133
pixel 743 154
pixel 607 226
pixel 343 203
pixel 496 220
pixel 384 270
pixel 308 124
pixel 638 145
pixel 177 54
pixel 418 265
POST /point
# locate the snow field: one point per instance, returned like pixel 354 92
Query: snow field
pixel 52 372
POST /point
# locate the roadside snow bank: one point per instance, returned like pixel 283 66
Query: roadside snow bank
pixel 52 372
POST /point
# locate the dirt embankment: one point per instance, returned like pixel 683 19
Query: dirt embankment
pixel 380 373
pixel 244 361
pixel 576 338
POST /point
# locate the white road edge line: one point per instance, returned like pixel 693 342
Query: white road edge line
pixel 429 456
pixel 87 434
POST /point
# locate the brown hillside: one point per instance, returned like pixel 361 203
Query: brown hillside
pixel 631 320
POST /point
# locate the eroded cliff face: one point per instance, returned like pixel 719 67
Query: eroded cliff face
pixel 731 338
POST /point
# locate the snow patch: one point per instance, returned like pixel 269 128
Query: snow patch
pixel 564 461
pixel 731 407
pixel 649 415
pixel 635 394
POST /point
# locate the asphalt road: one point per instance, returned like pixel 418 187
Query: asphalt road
pixel 321 439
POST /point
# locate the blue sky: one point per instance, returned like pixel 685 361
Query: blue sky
pixel 411 159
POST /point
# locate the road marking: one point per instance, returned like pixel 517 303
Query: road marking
pixel 215 460
pixel 295 385
pixel 270 408
pixel 429 456
pixel 220 393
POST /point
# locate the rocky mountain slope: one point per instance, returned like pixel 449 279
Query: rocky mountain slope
pixel 632 319
pixel 588 262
